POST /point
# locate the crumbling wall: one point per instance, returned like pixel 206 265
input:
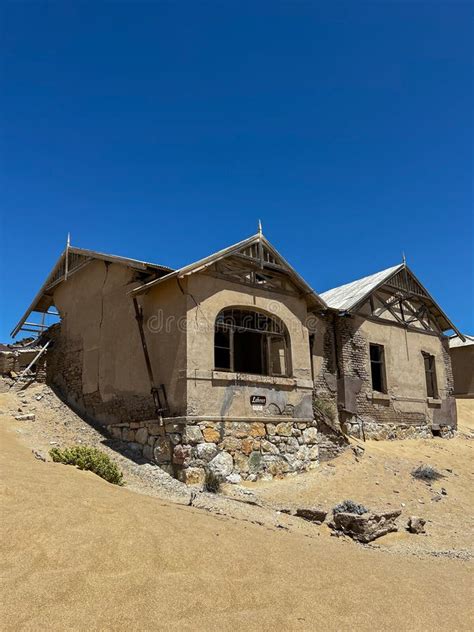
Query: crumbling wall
pixel 462 360
pixel 405 410
pixel 96 358
pixel 331 440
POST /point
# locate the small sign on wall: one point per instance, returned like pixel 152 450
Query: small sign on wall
pixel 258 401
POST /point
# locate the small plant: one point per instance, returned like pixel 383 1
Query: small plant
pixel 87 458
pixel 349 506
pixel 324 407
pixel 212 482
pixel 426 473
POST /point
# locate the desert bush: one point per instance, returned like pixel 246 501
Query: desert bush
pixel 426 473
pixel 87 458
pixel 349 506
pixel 212 482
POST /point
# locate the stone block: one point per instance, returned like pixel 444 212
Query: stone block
pixel 241 462
pixel 206 451
pixel 231 444
pixel 181 453
pixel 193 435
pixel 416 524
pixel 255 462
pixel 193 475
pixel 314 453
pixel 275 465
pixel 310 435
pixel 257 429
pixel 271 430
pixel 141 435
pixel 312 514
pixel 128 434
pixel 211 435
pixel 366 527
pixel 246 446
pixel 222 464
pixel 175 438
pixel 162 452
pixel 240 429
pixel 292 445
pixel 284 429
pixel 154 429
pixel 267 446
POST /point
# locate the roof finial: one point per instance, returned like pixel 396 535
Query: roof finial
pixel 259 227
pixel 404 259
pixel 68 240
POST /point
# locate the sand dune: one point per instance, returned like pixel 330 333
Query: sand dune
pixel 80 554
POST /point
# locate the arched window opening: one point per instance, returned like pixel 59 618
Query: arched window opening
pixel 247 341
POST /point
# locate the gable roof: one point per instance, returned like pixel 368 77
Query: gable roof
pixel 237 248
pixel 348 297
pixel 70 261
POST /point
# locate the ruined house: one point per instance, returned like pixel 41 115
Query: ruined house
pixel 462 360
pixel 235 363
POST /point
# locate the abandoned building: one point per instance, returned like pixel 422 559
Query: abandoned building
pixel 235 363
pixel 462 361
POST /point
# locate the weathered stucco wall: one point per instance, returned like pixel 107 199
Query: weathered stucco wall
pixel 164 311
pixel 405 409
pixel 227 395
pixel 462 359
pixel 96 360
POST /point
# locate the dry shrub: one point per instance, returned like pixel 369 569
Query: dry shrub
pixel 87 458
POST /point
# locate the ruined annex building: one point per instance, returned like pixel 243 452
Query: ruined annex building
pixel 235 361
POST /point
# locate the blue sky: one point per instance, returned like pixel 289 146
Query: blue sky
pixel 163 131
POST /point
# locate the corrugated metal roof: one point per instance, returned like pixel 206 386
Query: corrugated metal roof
pixel 347 296
pixel 455 341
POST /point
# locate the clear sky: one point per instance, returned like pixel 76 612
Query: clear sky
pixel 164 130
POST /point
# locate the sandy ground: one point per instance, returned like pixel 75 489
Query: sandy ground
pixel 80 554
pixel 381 479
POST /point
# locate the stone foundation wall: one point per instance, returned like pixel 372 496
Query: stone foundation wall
pixel 234 450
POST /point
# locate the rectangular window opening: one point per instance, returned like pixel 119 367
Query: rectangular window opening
pixel 430 374
pixel 377 367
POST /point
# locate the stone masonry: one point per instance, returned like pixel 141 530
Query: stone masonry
pixel 233 450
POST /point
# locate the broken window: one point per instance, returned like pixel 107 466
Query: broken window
pixel 430 373
pixel 247 341
pixel 377 367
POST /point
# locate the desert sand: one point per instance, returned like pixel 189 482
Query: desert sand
pixel 80 554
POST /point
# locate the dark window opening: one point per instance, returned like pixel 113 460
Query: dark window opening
pixel 377 368
pixel 247 341
pixel 430 373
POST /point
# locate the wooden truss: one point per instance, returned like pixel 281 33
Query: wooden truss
pixel 256 266
pixel 403 300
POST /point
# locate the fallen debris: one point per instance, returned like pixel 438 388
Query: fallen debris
pixel 367 527
pixel 312 514
pixel 416 524
pixel 350 506
pixel 25 417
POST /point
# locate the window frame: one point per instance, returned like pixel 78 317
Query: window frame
pixel 382 364
pixel 248 320
pixel 431 378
